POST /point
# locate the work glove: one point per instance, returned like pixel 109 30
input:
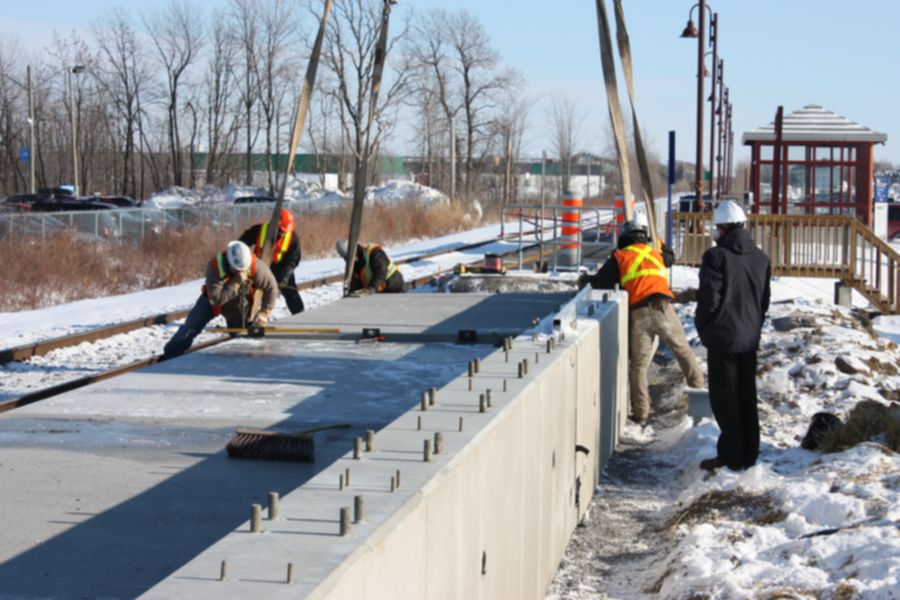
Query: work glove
pixel 361 292
pixel 262 318
pixel 583 280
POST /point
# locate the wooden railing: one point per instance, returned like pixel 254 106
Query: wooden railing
pixel 835 247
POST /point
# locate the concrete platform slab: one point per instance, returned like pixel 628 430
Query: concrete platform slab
pixel 110 489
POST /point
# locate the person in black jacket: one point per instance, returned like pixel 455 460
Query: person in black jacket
pixel 285 256
pixel 373 270
pixel 732 302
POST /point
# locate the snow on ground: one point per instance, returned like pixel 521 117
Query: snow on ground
pixel 799 524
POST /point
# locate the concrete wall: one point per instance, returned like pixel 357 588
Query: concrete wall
pixel 495 521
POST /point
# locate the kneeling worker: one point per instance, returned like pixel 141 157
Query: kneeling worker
pixel 231 278
pixel 373 270
pixel 641 270
pixel 285 257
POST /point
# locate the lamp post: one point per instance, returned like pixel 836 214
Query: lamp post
pixel 690 31
pixel 716 77
pixel 75 70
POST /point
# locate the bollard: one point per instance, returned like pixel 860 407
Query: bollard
pixel 359 510
pixel 255 512
pixel 357 448
pixel 274 506
pixel 438 442
pixel 424 403
pixel 223 571
pixel 432 396
pixel 345 521
pixel 370 441
pixel 290 573
pixel 426 453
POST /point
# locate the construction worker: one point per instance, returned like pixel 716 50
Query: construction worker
pixel 732 302
pixel 641 270
pixel 373 270
pixel 285 257
pixel 231 277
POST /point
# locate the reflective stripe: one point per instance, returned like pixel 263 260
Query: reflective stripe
pixel 366 272
pixel 220 265
pixel 280 248
pixel 634 271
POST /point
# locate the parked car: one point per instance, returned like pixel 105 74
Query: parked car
pixel 22 202
pixel 66 203
pixel 253 199
pixel 119 201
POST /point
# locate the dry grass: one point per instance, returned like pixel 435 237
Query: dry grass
pixel 64 268
pixel 734 505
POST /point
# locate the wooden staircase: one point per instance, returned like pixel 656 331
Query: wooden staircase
pixel 828 246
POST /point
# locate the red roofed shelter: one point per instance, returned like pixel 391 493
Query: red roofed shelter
pixel 824 165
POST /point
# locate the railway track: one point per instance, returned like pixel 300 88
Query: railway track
pixel 38 349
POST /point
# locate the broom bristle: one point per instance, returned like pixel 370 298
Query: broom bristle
pixel 271 446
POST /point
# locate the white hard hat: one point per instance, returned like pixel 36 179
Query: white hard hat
pixel 239 256
pixel 728 213
pixel 638 223
pixel 340 247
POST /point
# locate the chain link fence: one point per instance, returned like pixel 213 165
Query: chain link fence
pixel 134 224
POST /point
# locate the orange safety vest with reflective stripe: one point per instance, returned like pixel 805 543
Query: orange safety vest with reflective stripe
pixel 642 272
pixel 281 244
pixel 365 273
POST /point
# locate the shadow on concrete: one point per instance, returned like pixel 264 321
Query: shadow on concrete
pixel 127 549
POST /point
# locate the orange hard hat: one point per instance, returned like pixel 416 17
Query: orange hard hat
pixel 287 221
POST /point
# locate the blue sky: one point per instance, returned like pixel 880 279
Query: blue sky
pixel 840 55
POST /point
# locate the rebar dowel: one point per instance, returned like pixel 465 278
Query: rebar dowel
pixel 274 505
pixel 489 397
pixel 471 368
pixel 438 442
pixel 223 571
pixel 370 440
pixel 482 403
pixel 392 484
pixel 419 424
pixel 347 476
pixel 432 396
pixel 549 345
pixel 525 366
pixel 426 451
pixel 397 477
pixel 357 448
pixel 477 364
pixel 424 402
pixel 521 370
pixel 290 573
pixel 359 509
pixel 460 423
pixel 255 518
pixel 345 521
pixel 340 481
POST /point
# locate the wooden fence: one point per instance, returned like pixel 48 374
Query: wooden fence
pixel 830 246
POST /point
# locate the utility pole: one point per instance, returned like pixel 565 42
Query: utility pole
pixel 31 125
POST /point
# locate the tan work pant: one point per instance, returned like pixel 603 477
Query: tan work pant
pixel 643 324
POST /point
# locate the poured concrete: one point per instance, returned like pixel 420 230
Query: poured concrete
pixel 123 488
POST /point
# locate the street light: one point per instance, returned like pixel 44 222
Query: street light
pixel 690 31
pixel 75 70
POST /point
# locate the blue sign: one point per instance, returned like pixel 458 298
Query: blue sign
pixel 25 154
pixel 881 189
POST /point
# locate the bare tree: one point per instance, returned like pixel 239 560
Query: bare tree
pixel 245 27
pixel 477 65
pixel 121 73
pixel 222 122
pixel 177 36
pixel 564 119
pixel 349 54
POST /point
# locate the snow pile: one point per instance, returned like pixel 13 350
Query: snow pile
pixel 799 522
pixel 299 189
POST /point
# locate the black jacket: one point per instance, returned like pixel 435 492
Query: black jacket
pixel 283 270
pixel 608 275
pixel 734 294
pixel 379 264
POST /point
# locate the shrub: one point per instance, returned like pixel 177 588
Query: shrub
pixel 867 419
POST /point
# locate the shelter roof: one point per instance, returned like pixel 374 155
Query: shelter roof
pixel 813 123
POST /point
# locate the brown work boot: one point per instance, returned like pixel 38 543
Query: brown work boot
pixel 711 464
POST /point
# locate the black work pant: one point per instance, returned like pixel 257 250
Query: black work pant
pixel 732 395
pixel 291 295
